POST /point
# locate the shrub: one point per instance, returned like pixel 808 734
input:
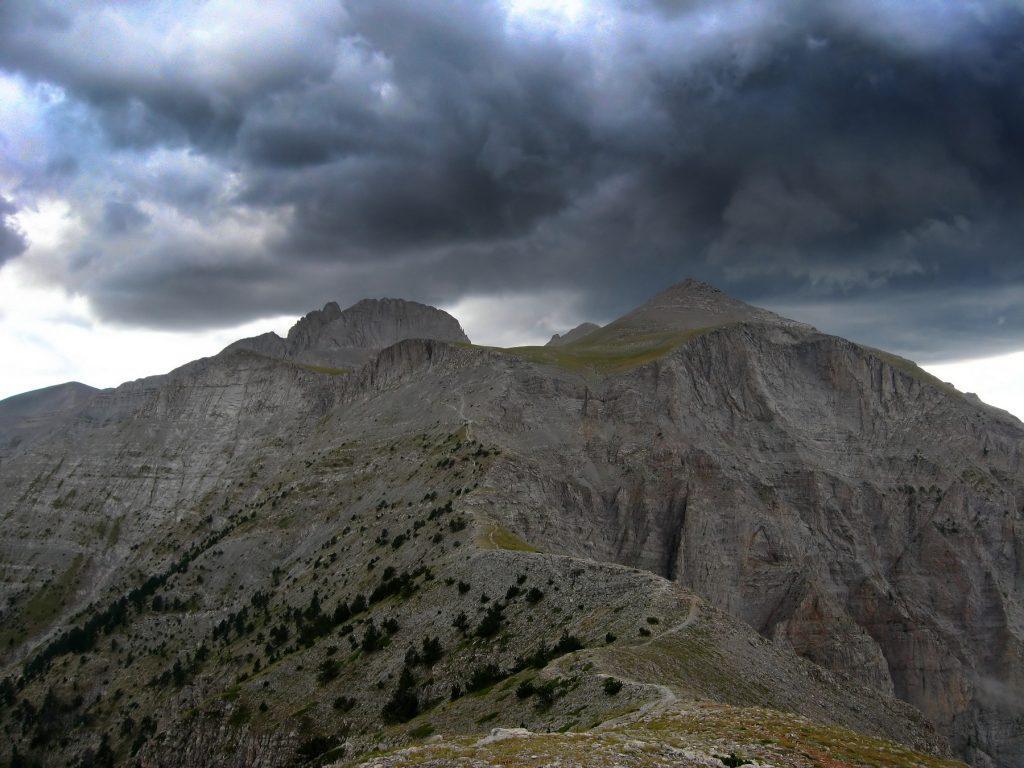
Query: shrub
pixel 612 686
pixel 316 746
pixel 344 703
pixel 732 761
pixel 547 693
pixel 525 689
pixel 342 613
pixel 492 621
pixel 432 651
pixel 329 670
pixel 534 596
pixel 404 703
pixel 566 644
pixel 484 677
pixel 372 639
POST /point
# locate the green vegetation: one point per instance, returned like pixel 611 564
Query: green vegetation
pixel 404 703
pixel 43 606
pixel 421 731
pixel 608 350
pixel 322 369
pixel 497 537
pixel 611 686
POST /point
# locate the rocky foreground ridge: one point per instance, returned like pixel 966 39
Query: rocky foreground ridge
pixel 702 533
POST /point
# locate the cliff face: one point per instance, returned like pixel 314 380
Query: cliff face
pixel 835 499
pixel 858 513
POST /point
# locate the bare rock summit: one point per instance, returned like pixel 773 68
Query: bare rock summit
pixel 347 338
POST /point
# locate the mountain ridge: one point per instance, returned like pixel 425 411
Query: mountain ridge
pixel 762 466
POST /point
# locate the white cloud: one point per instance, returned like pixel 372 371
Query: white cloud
pixel 48 337
pixel 514 320
pixel 998 381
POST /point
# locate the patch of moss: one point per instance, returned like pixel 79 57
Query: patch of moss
pixel 497 537
pixel 323 369
pixel 421 731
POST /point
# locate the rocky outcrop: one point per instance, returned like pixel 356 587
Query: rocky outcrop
pixel 348 338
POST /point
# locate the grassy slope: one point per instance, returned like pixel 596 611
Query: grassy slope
pixel 604 354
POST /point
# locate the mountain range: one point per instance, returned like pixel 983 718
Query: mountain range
pixel 701 534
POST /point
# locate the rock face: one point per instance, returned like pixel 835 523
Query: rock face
pixel 348 338
pixel 824 500
pixel 577 333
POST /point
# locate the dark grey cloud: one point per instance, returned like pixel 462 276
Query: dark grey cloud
pixel 861 155
pixel 120 216
pixel 12 241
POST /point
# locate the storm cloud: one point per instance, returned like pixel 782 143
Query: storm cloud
pixel 858 163
pixel 12 242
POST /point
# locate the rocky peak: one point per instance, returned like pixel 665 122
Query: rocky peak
pixel 692 304
pixel 309 327
pixel 378 323
pixel 345 338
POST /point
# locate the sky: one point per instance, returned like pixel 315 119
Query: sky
pixel 175 175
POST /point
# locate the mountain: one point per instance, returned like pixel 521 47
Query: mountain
pixel 24 416
pixel 348 338
pixel 687 307
pixel 698 531
pixel 575 334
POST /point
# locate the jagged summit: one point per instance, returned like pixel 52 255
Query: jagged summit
pixel 343 338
